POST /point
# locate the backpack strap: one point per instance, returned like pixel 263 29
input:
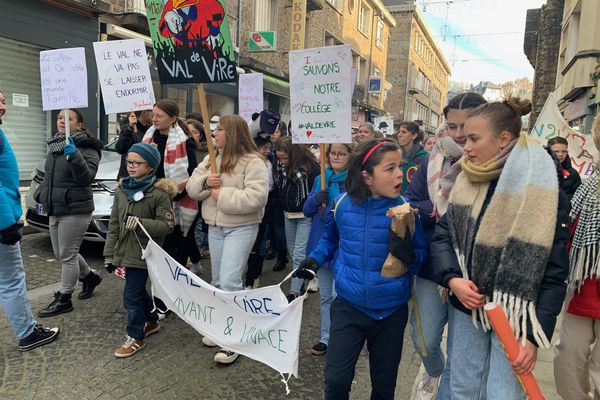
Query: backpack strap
pixel 339 208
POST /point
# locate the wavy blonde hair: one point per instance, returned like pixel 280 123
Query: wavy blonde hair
pixel 239 143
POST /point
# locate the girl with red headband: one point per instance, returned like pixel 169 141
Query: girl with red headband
pixel 368 307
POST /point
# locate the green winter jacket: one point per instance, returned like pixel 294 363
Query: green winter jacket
pixel 155 211
pixel 411 161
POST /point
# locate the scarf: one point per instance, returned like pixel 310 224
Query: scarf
pixel 131 186
pixel 176 163
pixel 57 143
pixel 442 171
pixel 333 181
pixel 585 246
pixel 507 248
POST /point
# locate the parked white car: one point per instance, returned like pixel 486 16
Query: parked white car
pixel 103 188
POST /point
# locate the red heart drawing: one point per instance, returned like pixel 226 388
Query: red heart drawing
pixel 308 133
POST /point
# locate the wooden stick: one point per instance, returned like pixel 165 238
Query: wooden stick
pixel 502 328
pixel 323 183
pixel 207 132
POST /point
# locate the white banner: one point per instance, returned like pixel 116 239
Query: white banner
pixel 321 88
pixel 258 323
pixel 250 95
pixel 63 76
pixel 124 75
pixel 551 123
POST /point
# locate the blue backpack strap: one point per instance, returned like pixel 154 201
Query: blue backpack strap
pixel 339 208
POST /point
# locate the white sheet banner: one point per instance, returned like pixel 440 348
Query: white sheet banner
pixel 250 95
pixel 63 76
pixel 321 88
pixel 551 123
pixel 258 323
pixel 124 75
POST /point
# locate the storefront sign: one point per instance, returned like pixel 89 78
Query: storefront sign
pixel 191 41
pixel 321 94
pixel 262 41
pixel 550 123
pixel 64 78
pixel 250 94
pixel 20 100
pixel 375 84
pixel 124 75
pixel 298 24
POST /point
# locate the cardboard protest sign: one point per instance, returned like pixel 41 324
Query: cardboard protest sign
pixel 551 123
pixel 124 75
pixel 385 125
pixel 250 95
pixel 259 323
pixel 321 94
pixel 63 75
pixel 191 41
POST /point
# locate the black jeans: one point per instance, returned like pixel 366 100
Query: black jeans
pixel 347 334
pixel 137 302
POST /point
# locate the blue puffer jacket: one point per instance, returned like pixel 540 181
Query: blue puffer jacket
pixel 362 242
pixel 10 198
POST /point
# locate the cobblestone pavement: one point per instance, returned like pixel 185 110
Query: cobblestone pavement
pixel 174 364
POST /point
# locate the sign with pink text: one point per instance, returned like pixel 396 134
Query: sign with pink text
pixel 321 88
pixel 124 75
pixel 250 95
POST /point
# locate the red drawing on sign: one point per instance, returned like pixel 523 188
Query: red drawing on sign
pixel 308 133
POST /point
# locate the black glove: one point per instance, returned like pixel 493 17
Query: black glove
pixel 402 249
pixel 12 234
pixel 307 269
pixel 322 196
pixel 110 268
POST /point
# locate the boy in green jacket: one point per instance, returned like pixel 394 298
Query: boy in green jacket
pixel 144 199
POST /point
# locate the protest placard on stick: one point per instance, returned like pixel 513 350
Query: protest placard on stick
pixel 250 95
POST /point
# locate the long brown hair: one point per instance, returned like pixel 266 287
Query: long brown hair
pixel 171 108
pixel 300 157
pixel 239 143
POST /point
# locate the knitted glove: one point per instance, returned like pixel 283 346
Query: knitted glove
pixel 402 249
pixel 108 265
pixel 307 269
pixel 70 148
pixel 322 196
pixel 11 235
pixel 131 223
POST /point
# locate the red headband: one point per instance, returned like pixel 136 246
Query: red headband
pixel 371 152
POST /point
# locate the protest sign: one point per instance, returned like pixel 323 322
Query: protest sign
pixel 385 125
pixel 258 323
pixel 124 75
pixel 551 123
pixel 63 76
pixel 250 95
pixel 321 94
pixel 191 41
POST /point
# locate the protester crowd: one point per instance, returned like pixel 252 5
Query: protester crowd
pixel 496 217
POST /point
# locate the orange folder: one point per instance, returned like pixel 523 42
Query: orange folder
pixel 504 332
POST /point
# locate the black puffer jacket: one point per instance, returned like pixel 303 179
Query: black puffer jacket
pixel 570 179
pixel 128 138
pixel 553 288
pixel 66 188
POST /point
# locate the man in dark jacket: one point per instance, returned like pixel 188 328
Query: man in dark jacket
pixel 13 290
pixel 132 132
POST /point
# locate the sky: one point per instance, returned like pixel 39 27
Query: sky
pixel 482 40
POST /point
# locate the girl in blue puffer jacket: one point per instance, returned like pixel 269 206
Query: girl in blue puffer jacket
pixel 368 305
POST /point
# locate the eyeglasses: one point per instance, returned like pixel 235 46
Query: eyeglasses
pixel 334 154
pixel 134 164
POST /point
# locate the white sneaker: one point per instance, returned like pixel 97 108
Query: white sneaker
pixel 427 387
pixel 196 268
pixel 207 342
pixel 226 356
pixel 313 285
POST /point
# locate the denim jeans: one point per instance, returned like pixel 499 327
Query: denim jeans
pixel 66 235
pixel 296 233
pixel 433 314
pixel 350 329
pixel 229 251
pixel 13 291
pixel 137 302
pixel 326 295
pixel 480 368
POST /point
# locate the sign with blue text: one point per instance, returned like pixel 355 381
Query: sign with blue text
pixel 321 94
pixel 191 41
pixel 63 74
pixel 124 75
pixel 258 323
